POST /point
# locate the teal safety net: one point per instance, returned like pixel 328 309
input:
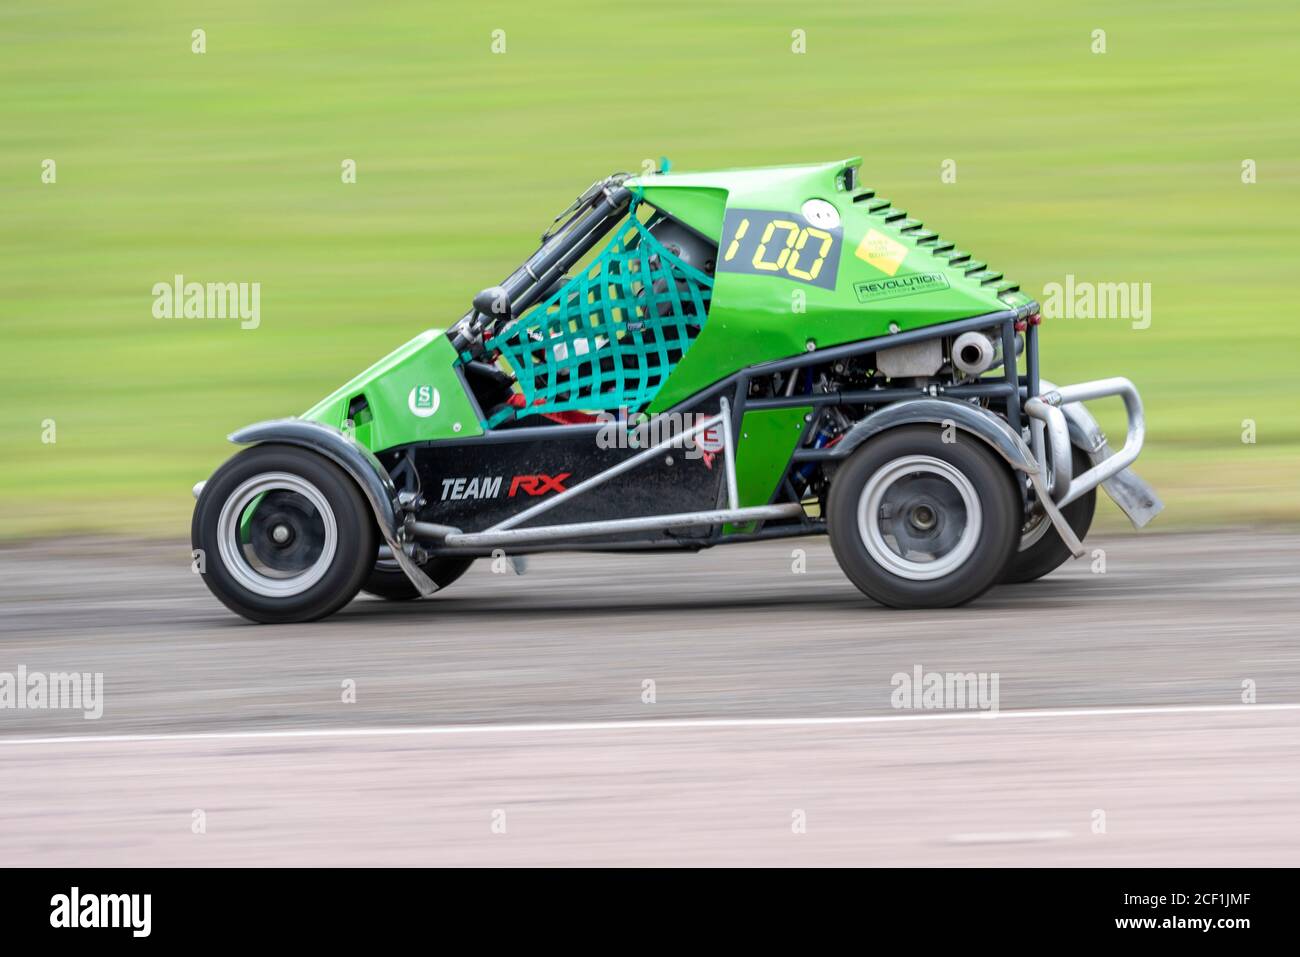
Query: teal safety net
pixel 608 338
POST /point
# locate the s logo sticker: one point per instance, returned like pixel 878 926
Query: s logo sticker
pixel 423 401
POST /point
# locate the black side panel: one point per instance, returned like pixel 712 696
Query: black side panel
pixel 475 485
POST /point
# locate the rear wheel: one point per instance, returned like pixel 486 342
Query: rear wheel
pixel 916 522
pixel 1041 549
pixel 283 535
pixel 387 580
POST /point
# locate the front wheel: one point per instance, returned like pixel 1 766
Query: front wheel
pixel 282 535
pixel 917 522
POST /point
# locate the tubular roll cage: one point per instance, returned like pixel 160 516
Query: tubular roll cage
pixel 1015 393
pixel 588 219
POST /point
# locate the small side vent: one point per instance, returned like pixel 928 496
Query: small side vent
pixel 359 410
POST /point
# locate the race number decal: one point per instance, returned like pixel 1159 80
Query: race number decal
pixel 784 245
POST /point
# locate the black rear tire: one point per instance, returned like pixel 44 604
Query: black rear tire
pixel 955 499
pixel 388 581
pixel 1048 552
pixel 240 551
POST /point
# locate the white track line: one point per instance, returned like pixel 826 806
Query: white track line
pixel 657 724
pixel 1008 837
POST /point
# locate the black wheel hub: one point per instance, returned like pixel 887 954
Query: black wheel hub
pixel 924 515
pixel 285 533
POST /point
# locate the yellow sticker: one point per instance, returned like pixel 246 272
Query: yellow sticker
pixel 882 252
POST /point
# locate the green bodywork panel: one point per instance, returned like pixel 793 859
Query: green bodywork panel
pixel 701 208
pixel 767 439
pixel 756 318
pixel 413 394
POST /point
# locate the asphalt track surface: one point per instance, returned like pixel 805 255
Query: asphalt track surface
pixel 506 721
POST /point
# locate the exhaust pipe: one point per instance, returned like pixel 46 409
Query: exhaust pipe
pixel 976 352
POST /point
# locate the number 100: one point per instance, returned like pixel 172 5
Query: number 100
pixel 789 254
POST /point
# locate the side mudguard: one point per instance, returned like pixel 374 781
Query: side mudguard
pixel 360 464
pixel 969 418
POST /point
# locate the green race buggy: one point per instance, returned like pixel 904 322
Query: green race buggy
pixel 689 360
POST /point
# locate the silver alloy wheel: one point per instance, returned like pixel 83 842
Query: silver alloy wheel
pixel 295 548
pixel 930 511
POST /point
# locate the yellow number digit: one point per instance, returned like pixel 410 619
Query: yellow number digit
pixel 735 240
pixel 792 234
pixel 826 238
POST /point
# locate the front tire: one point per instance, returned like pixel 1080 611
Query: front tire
pixel 283 535
pixel 916 522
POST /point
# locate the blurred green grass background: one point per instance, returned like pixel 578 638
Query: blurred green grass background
pixel 225 166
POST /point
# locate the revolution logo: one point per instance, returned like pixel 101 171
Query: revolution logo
pixel 911 284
